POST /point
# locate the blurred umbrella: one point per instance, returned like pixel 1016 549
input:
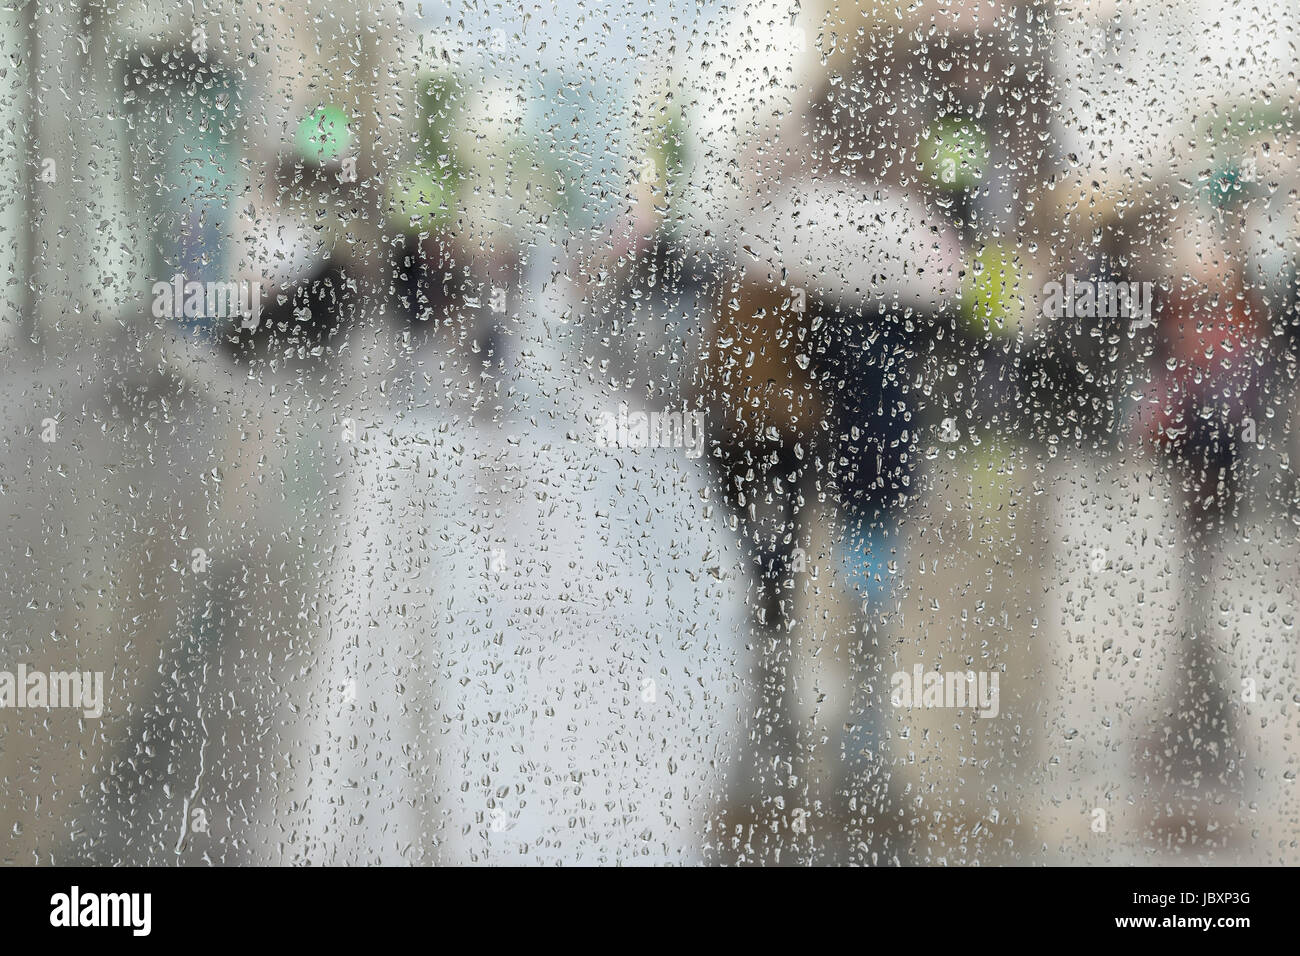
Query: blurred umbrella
pixel 852 246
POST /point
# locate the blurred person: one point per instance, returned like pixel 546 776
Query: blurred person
pixel 831 200
pixel 1206 381
pixel 458 271
pixel 929 116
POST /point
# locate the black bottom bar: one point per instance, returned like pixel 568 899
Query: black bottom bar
pixel 337 907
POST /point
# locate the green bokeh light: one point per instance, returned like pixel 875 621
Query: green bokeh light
pixel 954 154
pixel 323 135
pixel 991 291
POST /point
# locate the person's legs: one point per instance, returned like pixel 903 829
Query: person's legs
pixel 862 366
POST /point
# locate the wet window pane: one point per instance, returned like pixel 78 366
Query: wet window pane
pixel 672 433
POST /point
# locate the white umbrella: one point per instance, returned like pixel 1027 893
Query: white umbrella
pixel 841 239
pixel 853 244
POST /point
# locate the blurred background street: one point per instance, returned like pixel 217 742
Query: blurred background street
pixel 365 581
